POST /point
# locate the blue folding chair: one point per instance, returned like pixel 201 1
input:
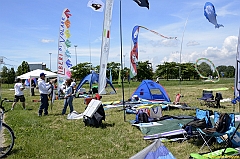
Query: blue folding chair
pixel 191 129
pixel 221 137
pixel 207 98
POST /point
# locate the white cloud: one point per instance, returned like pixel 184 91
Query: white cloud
pixel 192 43
pixel 219 56
pixel 47 41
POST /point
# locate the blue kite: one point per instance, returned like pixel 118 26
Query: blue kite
pixel 210 14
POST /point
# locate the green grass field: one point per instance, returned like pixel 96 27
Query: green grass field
pixel 54 136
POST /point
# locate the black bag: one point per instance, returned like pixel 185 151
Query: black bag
pixel 197 123
pixel 222 124
pixel 142 117
pixel 95 121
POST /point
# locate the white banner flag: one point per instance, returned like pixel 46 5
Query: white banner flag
pixel 237 71
pixel 105 46
pixel 64 56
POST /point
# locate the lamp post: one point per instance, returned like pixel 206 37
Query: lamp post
pixel 124 60
pixel 76 52
pixel 50 60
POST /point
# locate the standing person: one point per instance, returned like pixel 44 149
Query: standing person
pixel 73 85
pixel 43 90
pixel 68 97
pixel 157 81
pixel 33 85
pixel 18 88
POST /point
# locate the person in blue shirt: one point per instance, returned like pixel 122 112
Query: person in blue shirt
pixel 68 97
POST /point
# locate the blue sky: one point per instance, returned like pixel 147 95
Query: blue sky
pixel 30 30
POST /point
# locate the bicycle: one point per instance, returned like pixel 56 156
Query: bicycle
pixel 6 133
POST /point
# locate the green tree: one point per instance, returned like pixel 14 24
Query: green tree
pixel 205 69
pixel 144 71
pixel 115 67
pixel 4 74
pixel 81 70
pixel 12 76
pixel 8 76
pixel 23 68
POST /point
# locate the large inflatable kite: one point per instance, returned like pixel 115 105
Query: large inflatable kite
pixel 134 52
pixel 210 14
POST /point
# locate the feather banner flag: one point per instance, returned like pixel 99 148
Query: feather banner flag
pixel 64 56
pixel 105 46
pixel 134 52
pixel 96 5
pixel 142 3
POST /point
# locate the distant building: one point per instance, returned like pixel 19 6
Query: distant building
pixel 36 65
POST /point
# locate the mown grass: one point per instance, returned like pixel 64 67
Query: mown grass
pixel 54 136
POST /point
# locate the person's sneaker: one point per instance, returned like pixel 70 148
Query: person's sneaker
pixel 39 114
pixel 11 108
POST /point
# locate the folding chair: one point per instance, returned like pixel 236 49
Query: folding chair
pixel 191 127
pixel 223 137
pixel 207 98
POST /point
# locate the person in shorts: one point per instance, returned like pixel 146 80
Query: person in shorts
pixel 18 88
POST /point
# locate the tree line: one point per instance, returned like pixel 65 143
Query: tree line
pixel 167 70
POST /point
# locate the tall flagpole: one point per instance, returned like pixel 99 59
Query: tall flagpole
pixel 124 111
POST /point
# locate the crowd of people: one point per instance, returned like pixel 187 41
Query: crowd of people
pixel 46 91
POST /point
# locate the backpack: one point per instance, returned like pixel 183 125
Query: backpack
pixel 222 124
pixel 197 123
pixel 142 117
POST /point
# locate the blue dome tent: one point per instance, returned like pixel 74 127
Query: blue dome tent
pixel 92 78
pixel 151 90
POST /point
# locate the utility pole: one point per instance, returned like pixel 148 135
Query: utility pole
pixel 50 60
pixel 76 53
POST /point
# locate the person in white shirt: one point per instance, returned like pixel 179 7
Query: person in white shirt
pixel 73 85
pixel 157 81
pixel 18 88
pixel 43 90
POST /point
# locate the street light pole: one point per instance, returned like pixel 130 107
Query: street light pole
pixel 124 60
pixel 50 60
pixel 76 53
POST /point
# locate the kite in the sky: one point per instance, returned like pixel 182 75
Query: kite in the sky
pixel 142 3
pixel 96 5
pixel 210 14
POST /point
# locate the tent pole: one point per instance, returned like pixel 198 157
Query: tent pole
pixel 124 111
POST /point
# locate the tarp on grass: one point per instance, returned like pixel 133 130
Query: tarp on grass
pixel 156 150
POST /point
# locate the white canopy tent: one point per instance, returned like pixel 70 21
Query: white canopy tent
pixel 36 74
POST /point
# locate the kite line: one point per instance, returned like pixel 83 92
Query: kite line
pixel 204 77
pixel 158 33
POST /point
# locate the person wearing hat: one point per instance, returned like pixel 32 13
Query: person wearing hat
pixel 18 88
pixel 43 90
